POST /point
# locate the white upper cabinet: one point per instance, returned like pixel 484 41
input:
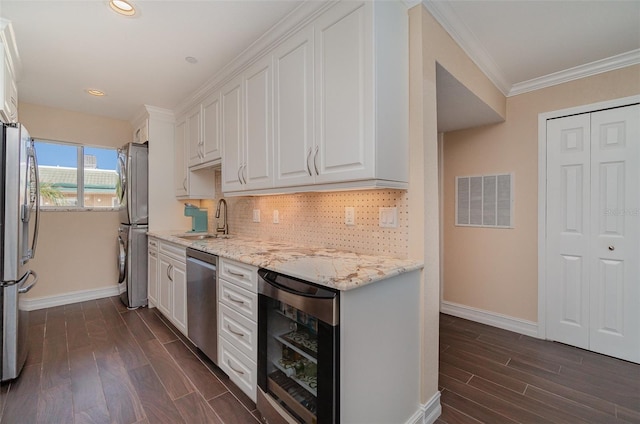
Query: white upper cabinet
pixel 246 130
pixel 232 137
pixel 293 96
pixel 203 133
pixel 8 86
pixel 325 108
pixel 180 171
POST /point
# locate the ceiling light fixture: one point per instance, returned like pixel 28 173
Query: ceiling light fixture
pixel 95 92
pixel 122 7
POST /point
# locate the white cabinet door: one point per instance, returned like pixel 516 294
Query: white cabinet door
pixel 152 269
pixel 211 147
pixel 257 172
pixel 232 137
pixel 165 285
pixel 344 93
pixel 193 138
pixel 293 143
pixel 179 296
pixel 180 171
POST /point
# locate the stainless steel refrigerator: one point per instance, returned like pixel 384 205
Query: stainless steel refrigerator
pixel 19 222
pixel 133 189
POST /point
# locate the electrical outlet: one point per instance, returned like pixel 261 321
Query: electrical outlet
pixel 276 216
pixel 388 217
pixel 256 215
pixel 349 216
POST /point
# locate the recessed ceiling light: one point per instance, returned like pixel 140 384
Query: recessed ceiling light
pixel 95 92
pixel 123 7
pixel 191 59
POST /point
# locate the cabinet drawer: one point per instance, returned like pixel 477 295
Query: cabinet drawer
pixel 239 299
pixel 239 331
pixel 240 369
pixel 246 276
pixel 173 250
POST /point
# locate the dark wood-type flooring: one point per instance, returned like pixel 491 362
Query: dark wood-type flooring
pixel 489 375
pixel 97 362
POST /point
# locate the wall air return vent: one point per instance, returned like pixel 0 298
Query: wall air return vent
pixel 485 201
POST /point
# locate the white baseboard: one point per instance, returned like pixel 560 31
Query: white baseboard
pixel 431 410
pixel 34 303
pixel 528 328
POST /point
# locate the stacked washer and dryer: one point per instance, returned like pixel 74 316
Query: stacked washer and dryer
pixel 133 189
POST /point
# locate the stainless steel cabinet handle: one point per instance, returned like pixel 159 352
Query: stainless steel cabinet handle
pixel 309 157
pixel 244 173
pixel 315 160
pixel 237 274
pixel 612 248
pixel 231 366
pixel 233 299
pixel 152 254
pixel 184 183
pixel 239 177
pixel 169 272
pixel 153 243
pixel 234 332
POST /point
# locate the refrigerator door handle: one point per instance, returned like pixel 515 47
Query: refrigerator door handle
pixel 36 228
pixel 25 289
pixel 123 176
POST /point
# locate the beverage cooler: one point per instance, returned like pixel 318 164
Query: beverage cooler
pixel 298 337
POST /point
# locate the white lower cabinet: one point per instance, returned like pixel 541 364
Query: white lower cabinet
pixel 152 269
pixel 170 283
pixel 237 323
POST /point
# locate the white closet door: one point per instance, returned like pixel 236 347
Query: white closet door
pixel 615 229
pixel 593 231
pixel 568 214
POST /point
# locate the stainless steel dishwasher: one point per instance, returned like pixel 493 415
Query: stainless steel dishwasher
pixel 202 302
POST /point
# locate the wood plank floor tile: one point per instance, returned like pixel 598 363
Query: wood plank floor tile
pixel 37 317
pixel 55 364
pixel 194 409
pixel 91 310
pixel 156 402
pixel 77 334
pixel 627 414
pixel 137 326
pixel 100 339
pixel 494 403
pixel 473 409
pixel 558 416
pixel 55 405
pixel 129 350
pixel 453 416
pixel 96 415
pixel 155 324
pixel 206 383
pixel 117 303
pixel 22 399
pixel 171 375
pixel 36 344
pixel 123 403
pixel 454 372
pixel 231 410
pixel 86 385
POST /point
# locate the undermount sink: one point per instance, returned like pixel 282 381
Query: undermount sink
pixel 202 236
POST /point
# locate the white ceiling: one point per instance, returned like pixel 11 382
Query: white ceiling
pixel 68 46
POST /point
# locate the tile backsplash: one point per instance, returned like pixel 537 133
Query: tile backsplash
pixel 317 219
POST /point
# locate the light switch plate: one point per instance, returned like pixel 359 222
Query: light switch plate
pixel 256 215
pixel 388 217
pixel 276 216
pixel 349 215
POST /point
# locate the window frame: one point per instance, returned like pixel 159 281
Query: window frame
pixel 80 182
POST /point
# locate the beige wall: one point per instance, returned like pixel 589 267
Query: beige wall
pixel 430 44
pixel 76 250
pixel 496 269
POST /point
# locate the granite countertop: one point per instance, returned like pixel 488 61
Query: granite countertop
pixel 338 269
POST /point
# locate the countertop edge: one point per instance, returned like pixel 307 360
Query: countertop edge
pixel 334 268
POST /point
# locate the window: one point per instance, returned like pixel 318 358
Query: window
pixel 76 176
pixel 485 201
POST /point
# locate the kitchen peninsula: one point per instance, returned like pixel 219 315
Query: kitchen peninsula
pixel 378 342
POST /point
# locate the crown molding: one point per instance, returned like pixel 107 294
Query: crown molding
pixel 466 39
pixel 619 61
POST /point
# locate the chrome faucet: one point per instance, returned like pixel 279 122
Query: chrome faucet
pixel 224 229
